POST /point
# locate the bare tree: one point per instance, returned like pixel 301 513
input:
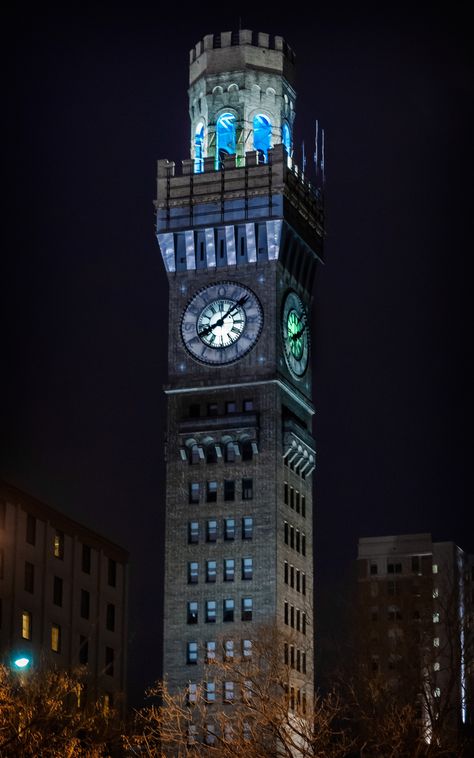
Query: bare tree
pixel 262 711
pixel 41 715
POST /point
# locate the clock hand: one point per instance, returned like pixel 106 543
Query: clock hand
pixel 298 334
pixel 220 320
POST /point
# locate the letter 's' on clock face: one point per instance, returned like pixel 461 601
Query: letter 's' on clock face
pixel 295 333
pixel 221 323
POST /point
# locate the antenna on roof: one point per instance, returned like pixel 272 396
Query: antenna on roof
pixel 316 168
pixel 322 157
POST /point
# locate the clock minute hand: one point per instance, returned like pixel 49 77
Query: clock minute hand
pixel 298 334
pixel 238 304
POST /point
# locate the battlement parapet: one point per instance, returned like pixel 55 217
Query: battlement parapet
pixel 231 51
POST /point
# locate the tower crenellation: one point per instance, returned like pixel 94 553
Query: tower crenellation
pixel 241 95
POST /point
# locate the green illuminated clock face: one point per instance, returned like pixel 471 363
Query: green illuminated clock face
pixel 221 323
pixel 295 331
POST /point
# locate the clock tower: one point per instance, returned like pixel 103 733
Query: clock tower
pixel 240 231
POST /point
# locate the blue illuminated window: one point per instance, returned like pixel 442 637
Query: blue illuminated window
pixel 198 149
pixel 225 136
pixel 286 138
pixel 262 136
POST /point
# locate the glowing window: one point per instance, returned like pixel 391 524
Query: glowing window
pixel 262 136
pixel 247 648
pixel 225 136
pixel 229 569
pixel 192 692
pixel 210 691
pixel 58 545
pixel 286 138
pixel 229 649
pixel 436 666
pixel 436 618
pixel 211 650
pixel 436 642
pixel 55 638
pixel 198 149
pixel 228 692
pixel 192 653
pixel 435 568
pixel 26 625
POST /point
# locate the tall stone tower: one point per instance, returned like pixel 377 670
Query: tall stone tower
pixel 240 231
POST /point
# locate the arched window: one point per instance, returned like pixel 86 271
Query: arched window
pixel 262 135
pixel 225 136
pixel 286 138
pixel 198 149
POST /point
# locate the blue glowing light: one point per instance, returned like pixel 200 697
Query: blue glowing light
pixel 262 135
pixel 198 149
pixel 286 138
pixel 225 135
pixel 21 662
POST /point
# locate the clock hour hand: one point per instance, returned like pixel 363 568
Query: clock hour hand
pixel 220 320
pixel 298 334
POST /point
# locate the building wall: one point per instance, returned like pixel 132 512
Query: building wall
pixel 67 579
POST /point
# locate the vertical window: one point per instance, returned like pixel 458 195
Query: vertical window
pixel 228 649
pixel 247 648
pixel 247 608
pixel 247 489
pixel 286 138
pixel 211 611
pixel 298 619
pixel 229 692
pixel 286 612
pixel 58 591
pixel 192 653
pixel 26 625
pixel 297 501
pixel 247 450
pixel 193 571
pixel 298 540
pixel 303 662
pixel 230 452
pixel 298 580
pixel 292 498
pixel 229 606
pixel 292 536
pixel 373 569
pixel 212 409
pixel 199 149
pixel 210 734
pixel 229 529
pixel 231 406
pixel 229 490
pixel 229 569
pixel 30 529
pixel 211 492
pixel 192 697
pixel 211 530
pixel 415 564
pixel 55 638
pixel 292 576
pixel 210 651
pixel 285 493
pixel 303 506
pixel 58 545
pixel 286 530
pixel 303 583
pixel 193 532
pixel 110 617
pixel 83 650
pixel 192 615
pixel 194 492
pixel 112 572
pixel 210 691
pixel 303 622
pixel 194 410
pixel 292 616
pixel 303 544
pixel 247 528
pixel 29 577
pixel 109 661
pixel 85 604
pixel 247 568
pixel 286 572
pixel 225 137
pixel 248 405
pixel 86 559
pixel 211 571
pixel 262 136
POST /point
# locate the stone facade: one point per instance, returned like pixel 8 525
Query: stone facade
pixel 240 452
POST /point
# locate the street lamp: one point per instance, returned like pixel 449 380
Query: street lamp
pixel 22 662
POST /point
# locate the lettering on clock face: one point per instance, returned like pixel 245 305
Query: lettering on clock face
pixel 295 333
pixel 221 323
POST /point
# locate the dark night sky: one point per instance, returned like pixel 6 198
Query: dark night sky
pixel 95 97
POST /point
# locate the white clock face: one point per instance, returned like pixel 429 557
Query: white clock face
pixel 221 323
pixel 295 332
